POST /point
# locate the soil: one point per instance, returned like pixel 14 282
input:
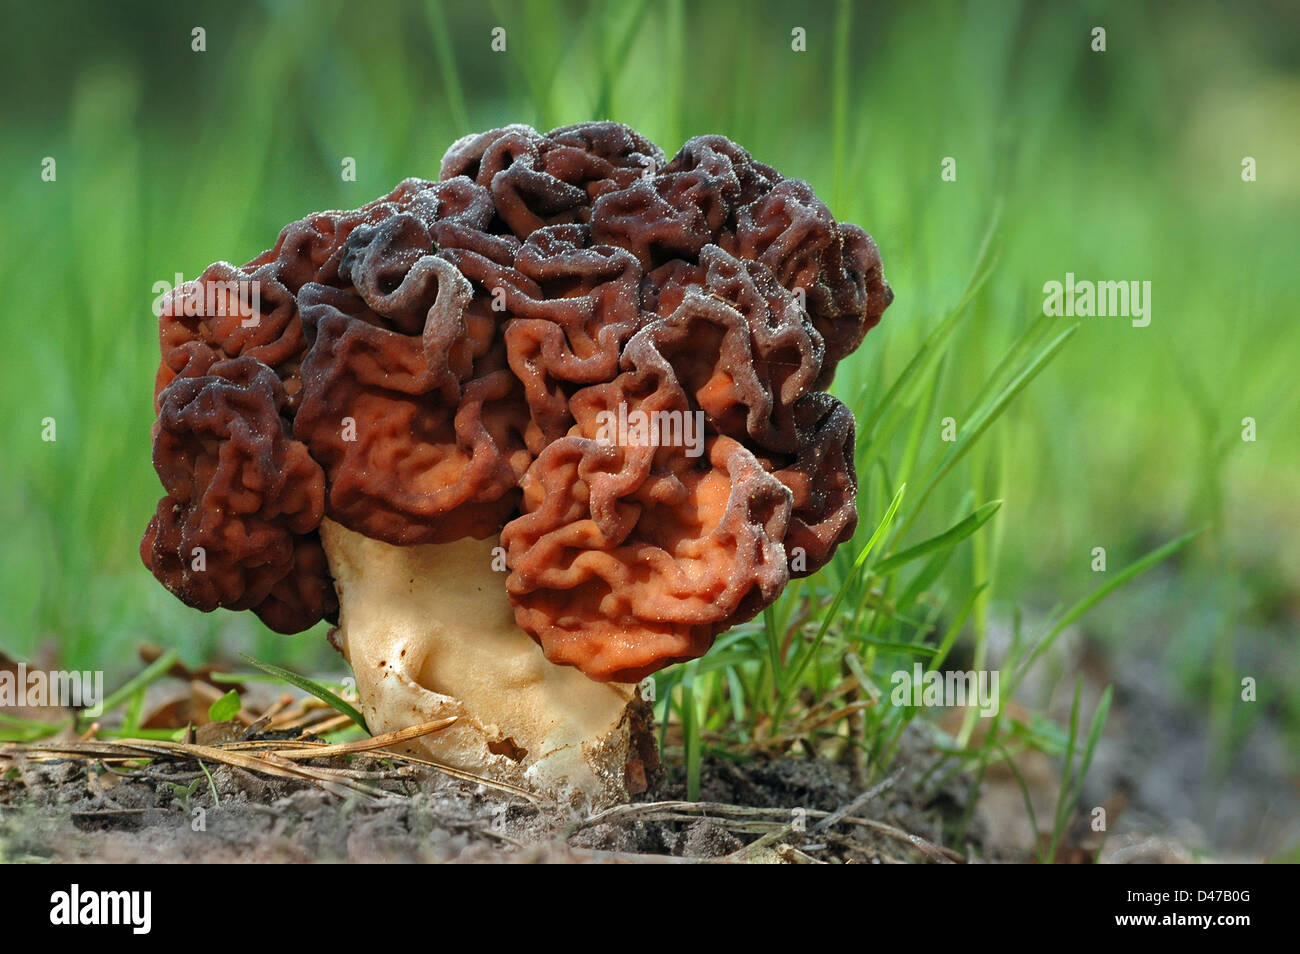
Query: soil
pixel 755 811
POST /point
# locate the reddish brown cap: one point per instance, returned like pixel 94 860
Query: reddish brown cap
pixel 449 361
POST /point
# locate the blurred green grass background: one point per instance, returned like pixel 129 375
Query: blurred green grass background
pixel 1115 166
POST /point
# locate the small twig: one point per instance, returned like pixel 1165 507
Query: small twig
pixel 938 852
pixel 333 724
pixel 275 708
pixel 794 856
pixel 771 822
pixel 834 817
pixel 180 775
pixel 321 750
pixel 464 776
pixel 754 847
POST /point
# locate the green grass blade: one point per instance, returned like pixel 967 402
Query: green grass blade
pixel 840 99
pixel 1072 778
pixel 920 422
pixel 145 677
pixel 911 649
pixel 447 66
pixel 1048 854
pixel 958 623
pixel 1134 569
pixel 613 63
pixel 944 541
pixel 308 685
pixel 930 351
pixel 15 729
pixel 691 735
pixel 881 529
pixel 1024 787
pixel 983 418
pixel 773 646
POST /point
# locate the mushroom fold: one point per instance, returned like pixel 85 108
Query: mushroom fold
pixel 615 362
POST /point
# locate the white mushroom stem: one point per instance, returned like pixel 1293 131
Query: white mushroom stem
pixel 430 633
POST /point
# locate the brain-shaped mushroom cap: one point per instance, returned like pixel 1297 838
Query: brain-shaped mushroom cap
pixel 615 362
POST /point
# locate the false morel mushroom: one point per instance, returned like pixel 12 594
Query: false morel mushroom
pixel 570 395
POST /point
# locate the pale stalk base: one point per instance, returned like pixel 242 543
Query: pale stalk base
pixel 429 633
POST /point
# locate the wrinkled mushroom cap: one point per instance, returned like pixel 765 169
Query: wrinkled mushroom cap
pixel 445 362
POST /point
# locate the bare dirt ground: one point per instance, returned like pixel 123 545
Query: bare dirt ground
pixel 753 812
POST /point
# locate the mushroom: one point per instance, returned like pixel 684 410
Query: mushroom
pixel 570 396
